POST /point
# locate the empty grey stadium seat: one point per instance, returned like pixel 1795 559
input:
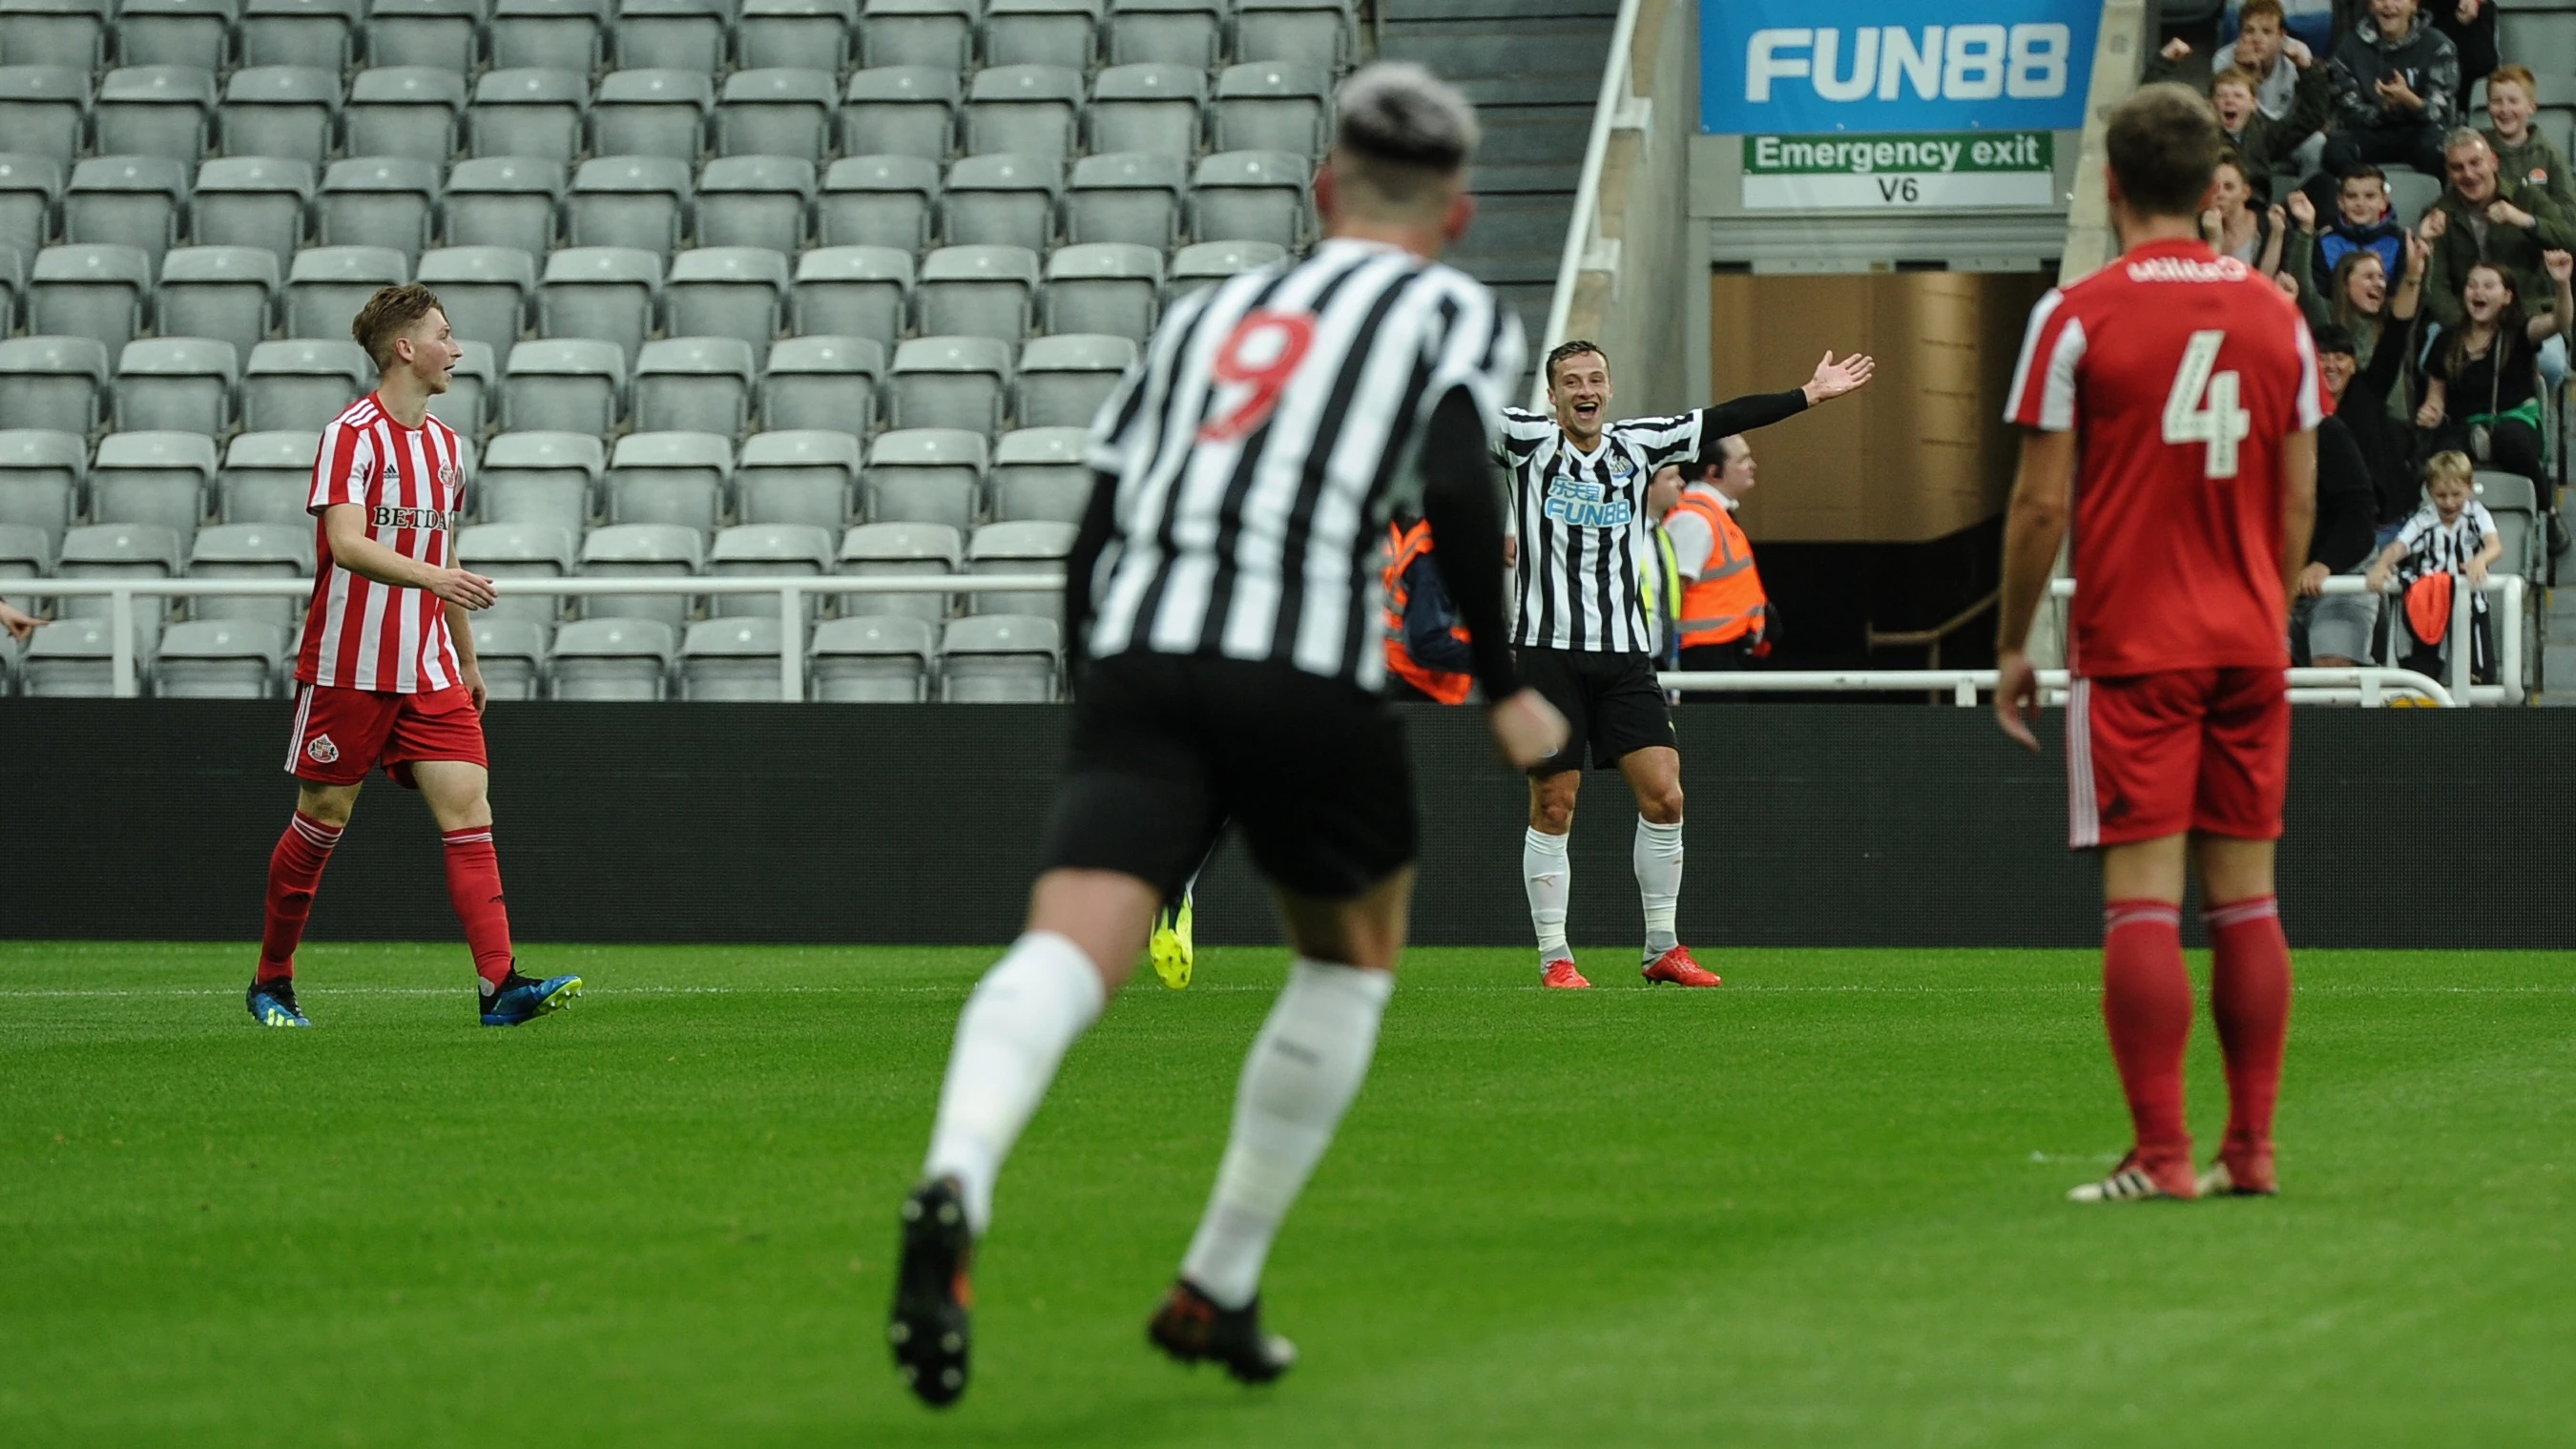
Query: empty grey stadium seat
pixel 154 110
pixel 153 479
pixel 25 550
pixel 1039 475
pixel 671 477
pixel 813 33
pixel 1252 196
pixel 98 290
pixel 1198 265
pixel 505 201
pixel 1063 380
pixel 606 293
pixel 302 383
pixel 69 33
pixel 629 201
pixel 652 113
pixel 1166 32
pixel 541 478
pixel 999 659
pixel 827 383
pixel 472 403
pixel 640 550
pixel 739 292
pixel 949 382
pixel 615 659
pixel 41 473
pixel 251 201
pixel 1271 105
pixel 486 291
pixel 377 201
pixel 252 551
pixel 2411 194
pixel 2543 38
pixel 220 659
pixel 176 32
pixel 874 659
pixel 755 201
pixel 534 113
pixel 320 33
pixel 519 551
pixel 1001 201
pixel 1063 33
pixel 926 475
pixel 1126 196
pixel 133 200
pixel 176 384
pixel 761 549
pixel 119 550
pixel 30 188
pixel 281 110
pixel 223 292
pixel 44 109
pixel 1316 33
pixel 686 35
pixel 2510 498
pixel 853 291
pixel 977 291
pixel 695 384
pixel 69 659
pixel 800 477
pixel 512 654
pixel 415 111
pixel 901 550
pixel 433 34
pixel 935 33
pixel 1103 287
pixel 1023 110
pixel 1027 547
pixel 733 660
pixel 552 34
pixel 325 286
pixel 883 201
pixel 564 384
pixel 776 112
pixel 901 110
pixel 57 383
pixel 268 478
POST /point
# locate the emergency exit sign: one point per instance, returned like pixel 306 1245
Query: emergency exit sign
pixel 1963 170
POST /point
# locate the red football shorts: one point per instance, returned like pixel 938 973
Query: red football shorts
pixel 340 734
pixel 2152 755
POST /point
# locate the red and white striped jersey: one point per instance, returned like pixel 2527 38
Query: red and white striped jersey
pixel 360 634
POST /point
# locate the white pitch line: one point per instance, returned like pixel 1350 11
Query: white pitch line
pixel 1217 988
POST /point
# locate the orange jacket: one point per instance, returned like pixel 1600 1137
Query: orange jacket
pixel 1403 546
pixel 1726 603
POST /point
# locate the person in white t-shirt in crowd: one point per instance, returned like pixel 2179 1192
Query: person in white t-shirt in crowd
pixel 2451 536
pixel 1725 615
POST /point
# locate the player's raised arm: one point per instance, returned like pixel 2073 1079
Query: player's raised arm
pixel 2034 526
pixel 345 525
pixel 1832 379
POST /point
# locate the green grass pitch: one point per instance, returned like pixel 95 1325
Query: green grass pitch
pixel 1820 1206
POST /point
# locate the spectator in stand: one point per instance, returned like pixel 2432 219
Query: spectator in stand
pixel 2233 228
pixel 2482 386
pixel 2452 535
pixel 2334 632
pixel 1726 616
pixel 2521 152
pixel 2470 25
pixel 2362 223
pixel 2264 47
pixel 2486 218
pixel 2287 141
pixel 21 627
pixel 2373 402
pixel 2397 82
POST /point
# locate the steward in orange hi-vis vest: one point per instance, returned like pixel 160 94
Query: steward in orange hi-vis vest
pixel 1725 603
pixel 1407 597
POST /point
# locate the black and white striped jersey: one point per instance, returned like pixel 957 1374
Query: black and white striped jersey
pixel 1261 442
pixel 1581 518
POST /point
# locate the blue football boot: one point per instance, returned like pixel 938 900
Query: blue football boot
pixel 525 998
pixel 273 1003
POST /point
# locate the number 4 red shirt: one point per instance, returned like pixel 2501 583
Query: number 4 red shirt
pixel 2181 373
pixel 360 634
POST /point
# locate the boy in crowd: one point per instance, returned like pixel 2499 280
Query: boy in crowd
pixel 2521 152
pixel 2272 94
pixel 2362 223
pixel 2452 535
pixel 2396 82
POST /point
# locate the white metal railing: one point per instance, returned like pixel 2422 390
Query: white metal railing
pixel 1583 227
pixel 791 589
pixel 2370 687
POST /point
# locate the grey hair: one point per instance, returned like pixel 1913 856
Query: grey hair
pixel 1397 111
pixel 2463 138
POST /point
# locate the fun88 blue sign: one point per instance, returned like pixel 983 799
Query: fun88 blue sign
pixel 1805 67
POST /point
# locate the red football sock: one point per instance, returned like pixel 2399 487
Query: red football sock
pixel 474 888
pixel 2146 1000
pixel 294 873
pixel 2249 994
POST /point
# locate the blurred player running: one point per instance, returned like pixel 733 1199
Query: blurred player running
pixel 387 672
pixel 1224 584
pixel 2173 395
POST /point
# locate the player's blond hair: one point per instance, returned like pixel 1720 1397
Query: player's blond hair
pixel 387 316
pixel 2450 466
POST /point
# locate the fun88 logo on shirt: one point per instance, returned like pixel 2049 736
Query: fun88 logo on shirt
pixel 1878 67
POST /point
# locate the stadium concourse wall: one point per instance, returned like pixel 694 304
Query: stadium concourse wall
pixel 1809 825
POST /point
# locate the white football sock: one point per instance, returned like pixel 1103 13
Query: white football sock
pixel 1549 877
pixel 1658 858
pixel 1298 1080
pixel 1010 1037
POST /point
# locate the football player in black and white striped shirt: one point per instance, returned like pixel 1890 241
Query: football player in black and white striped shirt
pixel 1585 539
pixel 1225 584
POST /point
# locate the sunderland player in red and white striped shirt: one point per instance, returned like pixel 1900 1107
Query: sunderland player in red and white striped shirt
pixel 387 674
pixel 2171 402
